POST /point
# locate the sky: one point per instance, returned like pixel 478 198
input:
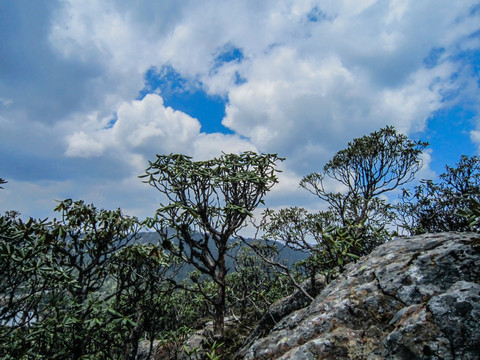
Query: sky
pixel 91 90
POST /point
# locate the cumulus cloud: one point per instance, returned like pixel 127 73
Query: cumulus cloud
pixel 143 128
pixel 308 109
pixel 147 123
pixel 299 78
pixel 363 67
pixel 83 145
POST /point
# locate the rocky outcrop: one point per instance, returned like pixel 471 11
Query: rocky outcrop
pixel 280 309
pixel 412 298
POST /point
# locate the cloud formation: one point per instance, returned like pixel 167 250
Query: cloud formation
pixel 298 78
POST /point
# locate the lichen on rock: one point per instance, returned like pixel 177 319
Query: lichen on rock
pixel 411 298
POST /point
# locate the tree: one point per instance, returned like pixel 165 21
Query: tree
pixel 84 241
pixel 54 275
pixel 25 278
pixel 208 203
pixel 253 286
pixel 2 181
pixel 435 206
pixel 312 234
pixel 327 245
pixel 356 219
pixel 141 274
pixel 368 168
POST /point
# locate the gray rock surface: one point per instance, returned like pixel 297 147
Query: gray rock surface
pixel 412 298
pixel 280 309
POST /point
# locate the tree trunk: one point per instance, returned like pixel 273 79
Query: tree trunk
pixel 134 338
pixel 219 325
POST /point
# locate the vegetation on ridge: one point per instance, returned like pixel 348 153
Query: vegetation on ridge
pixel 83 287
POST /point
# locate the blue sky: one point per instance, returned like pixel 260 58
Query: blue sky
pixel 209 109
pixel 90 91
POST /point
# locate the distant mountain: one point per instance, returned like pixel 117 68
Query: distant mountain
pixel 288 255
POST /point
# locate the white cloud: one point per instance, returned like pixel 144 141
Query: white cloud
pixel 148 124
pixel 307 109
pixel 37 199
pixel 34 198
pixel 475 137
pixel 208 146
pixel 315 74
pixel 146 127
pixel 82 145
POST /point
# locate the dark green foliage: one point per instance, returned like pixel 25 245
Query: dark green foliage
pixel 213 198
pixel 253 286
pixel 472 215
pixel 69 286
pixel 83 287
pixel 25 274
pixel 369 167
pixel 142 294
pixel 435 206
pixel 84 241
pixel 357 218
pixel 79 287
pixel 2 181
pixel 328 244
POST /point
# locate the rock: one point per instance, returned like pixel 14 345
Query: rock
pixel 411 298
pixel 281 309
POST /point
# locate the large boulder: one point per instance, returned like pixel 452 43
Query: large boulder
pixel 412 298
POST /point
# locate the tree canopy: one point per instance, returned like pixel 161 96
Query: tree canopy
pixel 435 206
pixel 56 301
pixel 356 219
pixel 207 203
pixel 367 168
